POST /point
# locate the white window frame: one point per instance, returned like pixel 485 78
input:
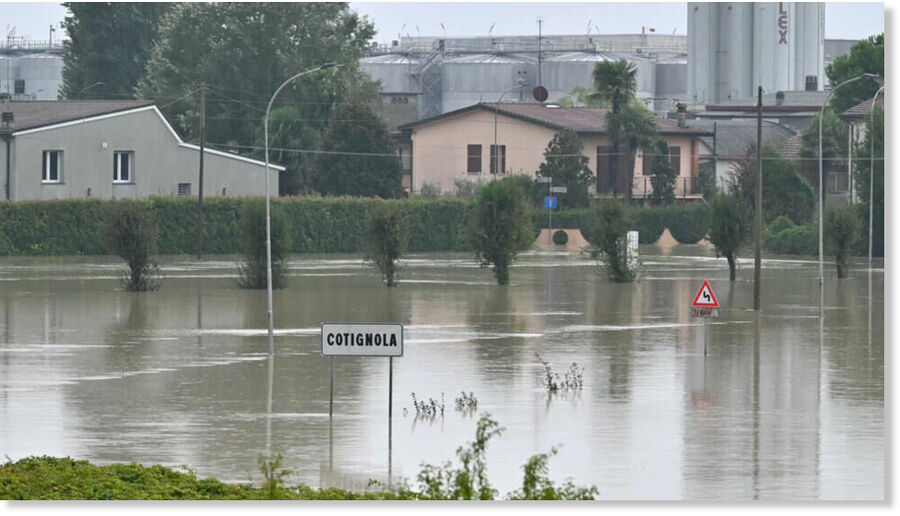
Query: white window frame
pixel 45 166
pixel 117 170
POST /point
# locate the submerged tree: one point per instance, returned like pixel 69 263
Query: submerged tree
pixel 842 228
pixel 253 271
pixel 387 233
pixel 610 240
pixel 730 228
pixel 131 233
pixel 500 226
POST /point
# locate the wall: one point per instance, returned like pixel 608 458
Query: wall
pixel 160 163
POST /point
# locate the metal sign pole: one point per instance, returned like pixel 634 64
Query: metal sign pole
pixel 390 386
pixel 705 334
pixel 550 211
pixel 331 391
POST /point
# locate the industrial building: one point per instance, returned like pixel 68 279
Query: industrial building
pixel 30 70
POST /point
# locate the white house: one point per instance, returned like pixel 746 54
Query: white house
pixel 112 150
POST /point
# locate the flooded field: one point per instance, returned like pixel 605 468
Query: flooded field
pixel 780 408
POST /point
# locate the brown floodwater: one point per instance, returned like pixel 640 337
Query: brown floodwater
pixel 780 408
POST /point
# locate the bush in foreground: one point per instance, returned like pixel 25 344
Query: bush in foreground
pixel 500 226
pixel 131 233
pixel 388 236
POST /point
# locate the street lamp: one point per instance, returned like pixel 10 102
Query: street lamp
pixel 822 190
pixel 872 171
pixel 268 209
pixel 496 157
pixel 98 83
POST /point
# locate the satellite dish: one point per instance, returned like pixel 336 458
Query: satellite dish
pixel 540 94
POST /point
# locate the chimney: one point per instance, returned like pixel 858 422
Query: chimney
pixel 682 114
pixel 812 83
pixel 779 98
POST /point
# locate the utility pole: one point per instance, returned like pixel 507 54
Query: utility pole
pixel 757 247
pixel 200 190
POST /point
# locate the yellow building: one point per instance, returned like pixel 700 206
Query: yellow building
pixel 460 145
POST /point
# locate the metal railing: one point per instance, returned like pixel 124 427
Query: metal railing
pixel 684 187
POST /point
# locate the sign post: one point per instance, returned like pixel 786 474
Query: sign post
pixel 366 340
pixel 705 305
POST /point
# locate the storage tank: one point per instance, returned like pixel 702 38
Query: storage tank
pixel 393 70
pixel 733 47
pixel 475 78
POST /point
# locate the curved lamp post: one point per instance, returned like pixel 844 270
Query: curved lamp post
pixel 496 157
pixel 268 209
pixel 822 189
pixel 98 83
pixel 872 168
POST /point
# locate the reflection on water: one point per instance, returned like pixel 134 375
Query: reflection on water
pixel 779 409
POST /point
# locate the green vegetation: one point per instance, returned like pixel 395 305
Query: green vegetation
pixel 609 240
pixel 388 232
pixel 785 192
pixel 253 271
pixel 49 478
pixel 131 233
pixel 834 148
pixel 108 47
pixel 560 237
pixel 634 126
pixel 708 181
pixel 730 228
pixel 359 160
pixel 784 237
pixel 567 166
pixel 615 83
pixel 243 51
pixel 664 174
pixel 842 229
pixel 861 172
pixel 500 226
pixel 865 56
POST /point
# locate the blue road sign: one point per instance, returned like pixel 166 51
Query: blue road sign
pixel 550 202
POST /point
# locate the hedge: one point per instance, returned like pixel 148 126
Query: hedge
pixel 318 225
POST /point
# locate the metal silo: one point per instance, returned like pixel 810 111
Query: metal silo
pixel 474 78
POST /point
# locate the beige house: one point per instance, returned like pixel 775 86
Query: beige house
pixel 460 145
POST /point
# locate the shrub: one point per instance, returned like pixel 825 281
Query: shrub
pixel 842 230
pixel 730 228
pixel 465 189
pixel 560 237
pixel 663 174
pixel 802 240
pixel 131 233
pixel 707 179
pixel 688 222
pixel 780 224
pixel 253 271
pixel 388 236
pixel 430 191
pixel 6 246
pixel 536 485
pixel 785 192
pixel 609 240
pixel 500 226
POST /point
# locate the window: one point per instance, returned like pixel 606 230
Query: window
pixel 498 160
pixel 123 167
pixel 675 159
pixel 184 189
pixel 474 159
pixel 19 87
pixel 52 167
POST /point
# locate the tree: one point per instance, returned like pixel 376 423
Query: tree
pixel 131 233
pixel 610 240
pixel 842 228
pixel 834 148
pixel 615 82
pixel 861 171
pixel 253 271
pixel 108 46
pixel 565 163
pixel 708 180
pixel 387 232
pixel 866 56
pixel 664 174
pixel 784 191
pixel 243 51
pixel 635 127
pixel 730 227
pixel 500 226
pixel 359 157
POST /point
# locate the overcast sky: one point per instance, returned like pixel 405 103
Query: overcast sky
pixel 842 20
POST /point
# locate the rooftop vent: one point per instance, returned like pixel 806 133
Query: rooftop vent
pixel 682 114
pixel 812 83
pixel 8 118
pixel 779 98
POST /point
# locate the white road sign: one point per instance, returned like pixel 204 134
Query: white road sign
pixel 362 339
pixel 558 189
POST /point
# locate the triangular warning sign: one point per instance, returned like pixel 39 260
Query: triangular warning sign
pixel 705 296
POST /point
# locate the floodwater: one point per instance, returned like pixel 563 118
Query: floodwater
pixel 779 409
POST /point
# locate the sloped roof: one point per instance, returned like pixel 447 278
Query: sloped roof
pixel 32 114
pixel 583 120
pixel 793 101
pixel 863 109
pixel 735 138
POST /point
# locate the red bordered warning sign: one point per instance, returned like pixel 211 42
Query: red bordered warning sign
pixel 705 297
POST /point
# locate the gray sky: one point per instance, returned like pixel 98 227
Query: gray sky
pixel 842 20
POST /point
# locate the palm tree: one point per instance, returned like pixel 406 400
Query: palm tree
pixel 614 82
pixel 635 126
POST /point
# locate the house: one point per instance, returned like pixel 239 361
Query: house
pixel 111 150
pixel 793 109
pixel 857 117
pixel 460 145
pixel 734 142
